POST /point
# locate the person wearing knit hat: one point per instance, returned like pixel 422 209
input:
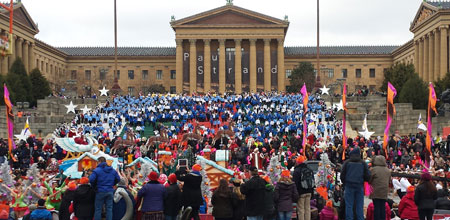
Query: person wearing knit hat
pixel 84 180
pixel 172 200
pixel 407 208
pixel 328 211
pixel 300 159
pixel 285 195
pixel 197 167
pixel 153 176
pixel 66 200
pixel 303 177
pixel 151 197
pixel 172 178
pixel 425 196
pixel 192 193
pixel 84 200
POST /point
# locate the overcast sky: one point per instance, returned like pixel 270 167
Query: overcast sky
pixel 146 22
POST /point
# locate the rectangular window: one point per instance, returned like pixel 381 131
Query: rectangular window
pixel 87 74
pixel 344 73
pixel 73 74
pixel 130 90
pixel 173 89
pixel 358 73
pixel 102 74
pixel 372 73
pixel 173 74
pixel 158 74
pixel 330 73
pixel 144 75
pixel 130 74
pixel 117 75
pixel 288 73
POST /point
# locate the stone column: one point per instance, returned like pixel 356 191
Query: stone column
pixel 421 58
pixel 207 66
pixel 179 66
pixel 238 66
pixel 267 80
pixel 192 66
pixel 416 56
pixel 12 57
pixel 25 56
pixel 281 71
pixel 426 70
pixel 436 70
pixel 253 65
pixel 4 65
pixel 19 42
pixel 430 57
pixel 222 67
pixel 32 61
pixel 443 51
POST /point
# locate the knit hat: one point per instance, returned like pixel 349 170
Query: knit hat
pixel 72 185
pixel 267 179
pixel 329 204
pixel 172 178
pixel 196 167
pixel 355 151
pixel 285 173
pixel 153 176
pixel 84 180
pixel 410 189
pixel 300 159
pixel 425 176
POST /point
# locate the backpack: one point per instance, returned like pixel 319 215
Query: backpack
pixel 307 178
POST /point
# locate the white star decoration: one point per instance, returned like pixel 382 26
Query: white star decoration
pixel 366 133
pixel 339 106
pixel 103 92
pixel 324 90
pixel 85 109
pixel 21 136
pixel 71 107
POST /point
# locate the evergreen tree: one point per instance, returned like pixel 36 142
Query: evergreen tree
pixel 33 181
pixel 2 82
pixel 414 91
pixel 18 83
pixel 146 169
pixel 323 171
pixel 274 169
pixel 441 85
pixel 398 74
pixel 155 88
pixel 6 177
pixel 205 187
pixel 303 73
pixel 40 87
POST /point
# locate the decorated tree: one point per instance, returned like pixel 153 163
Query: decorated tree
pixel 274 169
pixel 6 179
pixel 324 170
pixel 33 181
pixel 206 189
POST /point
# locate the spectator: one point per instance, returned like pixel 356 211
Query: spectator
pixel 304 180
pixel 119 205
pixel 370 211
pixel 379 179
pixel 151 195
pixel 269 205
pixel 239 209
pixel 104 178
pixel 172 199
pixel 442 201
pixel 254 190
pixel 223 201
pixel 354 173
pixel 327 212
pixel 192 193
pixel 424 197
pixel 31 208
pixel 407 208
pixel 66 201
pixel 41 213
pixel 84 200
pixel 285 195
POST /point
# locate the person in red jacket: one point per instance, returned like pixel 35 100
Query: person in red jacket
pixel 327 212
pixel 407 207
pixel 370 209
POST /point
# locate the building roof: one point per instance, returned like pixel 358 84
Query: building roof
pixel 171 51
pixel 440 4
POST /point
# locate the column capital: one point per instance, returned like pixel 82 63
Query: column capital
pixel 222 41
pixel 428 34
pixel 192 41
pixel 443 27
pixel 434 31
pixel 280 40
pixel 207 41
pixel 267 41
pixel 253 41
pixel 179 42
pixel 19 39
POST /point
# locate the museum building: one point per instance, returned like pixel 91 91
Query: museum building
pixel 227 49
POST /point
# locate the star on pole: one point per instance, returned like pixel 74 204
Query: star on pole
pixel 21 136
pixel 103 92
pixel 339 106
pixel 71 107
pixel 324 90
pixel 366 133
pixel 85 109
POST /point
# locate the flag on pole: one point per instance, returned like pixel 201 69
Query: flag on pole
pixel 26 129
pixel 9 120
pixel 431 106
pixel 390 111
pixel 305 109
pixel 344 123
pixel 420 124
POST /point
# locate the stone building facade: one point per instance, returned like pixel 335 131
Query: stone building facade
pixel 227 49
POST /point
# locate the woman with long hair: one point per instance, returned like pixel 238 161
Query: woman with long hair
pixel 239 210
pixel 424 197
pixel 222 201
pixel 285 195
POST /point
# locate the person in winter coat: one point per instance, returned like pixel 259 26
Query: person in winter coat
pixel 223 201
pixel 239 209
pixel 285 195
pixel 254 190
pixel 379 180
pixel 192 192
pixel 370 211
pixel 152 197
pixel 354 173
pixel 407 208
pixel 66 201
pixel 172 199
pixel 269 204
pixel 103 178
pixel 304 192
pixel 120 205
pixel 328 212
pixel 84 200
pixel 442 201
pixel 424 197
pixel 41 213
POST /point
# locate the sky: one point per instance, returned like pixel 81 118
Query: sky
pixel 146 22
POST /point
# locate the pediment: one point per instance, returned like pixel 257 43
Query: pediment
pixel 228 15
pixel 425 11
pixel 21 16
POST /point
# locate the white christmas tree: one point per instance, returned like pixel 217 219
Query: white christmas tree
pixel 33 181
pixel 144 172
pixel 206 189
pixel 274 169
pixel 7 179
pixel 323 171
